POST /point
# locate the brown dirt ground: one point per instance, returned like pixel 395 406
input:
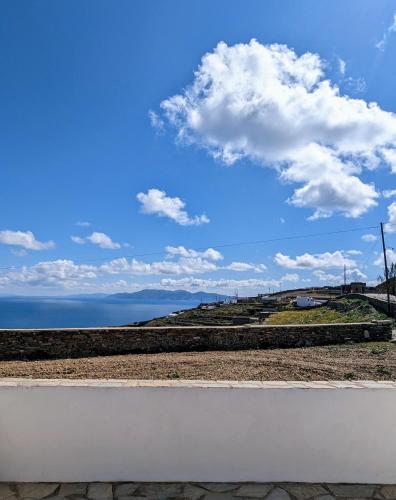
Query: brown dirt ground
pixel 366 361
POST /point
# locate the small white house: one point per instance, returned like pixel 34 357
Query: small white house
pixel 307 302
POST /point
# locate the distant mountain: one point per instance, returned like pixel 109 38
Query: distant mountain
pixel 169 295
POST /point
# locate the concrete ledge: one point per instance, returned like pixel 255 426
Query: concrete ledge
pixel 123 430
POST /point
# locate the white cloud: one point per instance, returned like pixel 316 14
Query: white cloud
pixel 341 66
pixel 103 241
pixel 353 252
pixel 282 220
pixel 265 103
pixel 332 279
pixel 78 240
pixel 311 261
pixel 187 261
pixel 292 277
pixel 19 252
pixel 390 226
pixel 381 45
pixel 57 273
pixel 369 237
pixel 246 266
pixel 24 239
pixel 83 223
pixel 390 257
pixel 389 193
pixel 156 121
pixel 210 253
pixel 224 284
pixel 157 202
pixel 100 239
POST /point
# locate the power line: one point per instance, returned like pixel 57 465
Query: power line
pixel 228 245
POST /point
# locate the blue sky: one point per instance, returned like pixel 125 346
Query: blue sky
pixel 126 153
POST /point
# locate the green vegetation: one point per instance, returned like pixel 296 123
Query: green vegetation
pixel 337 311
pixel 222 315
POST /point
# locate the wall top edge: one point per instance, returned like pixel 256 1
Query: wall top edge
pixel 203 384
pixel 197 327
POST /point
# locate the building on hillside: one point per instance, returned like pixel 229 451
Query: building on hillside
pixel 382 288
pixel 354 287
pixel 304 301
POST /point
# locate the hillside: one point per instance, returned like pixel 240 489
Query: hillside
pixel 282 312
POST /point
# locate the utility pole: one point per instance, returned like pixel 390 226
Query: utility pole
pixel 386 269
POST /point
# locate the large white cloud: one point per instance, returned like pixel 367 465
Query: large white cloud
pixel 56 273
pixel 266 103
pixel 158 203
pixel 246 266
pixel 326 260
pixel 332 279
pixel 209 254
pixel 24 239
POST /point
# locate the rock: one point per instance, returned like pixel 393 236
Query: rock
pixel 5 491
pixel 278 494
pixel 303 491
pixel 159 491
pixel 193 492
pixel 67 489
pixel 389 491
pixel 212 495
pixel 131 498
pixel 127 489
pixel 253 490
pixel 219 487
pixel 100 490
pixel 352 490
pixel 325 497
pixel 36 490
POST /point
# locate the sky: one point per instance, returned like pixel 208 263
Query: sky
pixel 203 145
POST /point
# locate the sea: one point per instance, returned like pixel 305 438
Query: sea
pixel 54 312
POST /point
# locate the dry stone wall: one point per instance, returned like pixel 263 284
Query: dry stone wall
pixel 74 343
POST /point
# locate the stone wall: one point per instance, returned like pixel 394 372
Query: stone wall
pixel 380 304
pixel 73 343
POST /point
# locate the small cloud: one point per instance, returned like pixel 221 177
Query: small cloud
pixel 292 277
pixel 19 253
pixel 369 237
pixel 78 240
pixel 381 45
pixel 355 85
pixel 156 121
pixel 282 220
pixel 156 202
pixel 341 66
pixel 388 193
pixel 83 224
pixel 96 238
pixel 246 266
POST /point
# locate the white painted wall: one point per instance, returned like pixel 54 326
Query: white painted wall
pixel 192 431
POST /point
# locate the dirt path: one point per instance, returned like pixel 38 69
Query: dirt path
pixel 374 361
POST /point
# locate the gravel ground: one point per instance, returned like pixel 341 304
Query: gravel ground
pixel 367 361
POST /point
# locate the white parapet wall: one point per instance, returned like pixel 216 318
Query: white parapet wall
pixel 91 430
